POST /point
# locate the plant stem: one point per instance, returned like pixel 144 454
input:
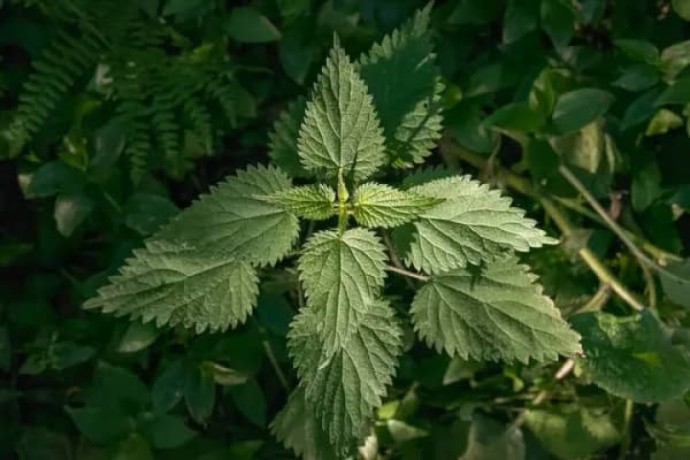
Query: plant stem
pixel 395 259
pixel 561 220
pixel 343 197
pixel 274 362
pixel 627 420
pixel 409 274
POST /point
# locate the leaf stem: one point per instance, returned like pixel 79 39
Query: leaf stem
pixel 274 362
pixel 561 220
pixel 395 259
pixel 400 271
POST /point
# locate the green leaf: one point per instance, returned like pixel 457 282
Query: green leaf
pixel 521 17
pixel 236 221
pixel 675 58
pixel 134 447
pixel 499 313
pixel 345 385
pixel 518 116
pixel 340 130
pixel 489 439
pixel 663 121
pixel 310 201
pixel 632 357
pixel 101 426
pixel 200 394
pixel 146 212
pixel 573 434
pixel 137 337
pixel 168 388
pixel 247 25
pixel 682 8
pixel 341 274
pixel 383 206
pixel 558 21
pixel 297 428
pixel 472 225
pixel 50 179
pixel 576 109
pixel 198 289
pixel 283 148
pixel 677 93
pixel 168 432
pixel 639 50
pixel 250 401
pixel 402 76
pixel 675 280
pixel 70 211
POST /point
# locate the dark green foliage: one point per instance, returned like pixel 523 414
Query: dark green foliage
pixel 114 114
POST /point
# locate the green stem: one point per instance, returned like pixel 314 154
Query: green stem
pixel 642 258
pixel 343 197
pixel 561 220
pixel 409 274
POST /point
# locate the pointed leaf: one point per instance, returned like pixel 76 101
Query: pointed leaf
pixel 402 76
pixel 341 275
pixel 632 357
pixel 283 139
pixel 176 285
pixel 309 201
pixel 297 428
pixel 235 221
pixel 472 225
pixel 499 313
pixel 345 386
pixel 379 205
pixel 340 128
pixel 575 433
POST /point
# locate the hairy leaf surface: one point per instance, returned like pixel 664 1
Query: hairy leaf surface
pixel 340 130
pixel 310 201
pixel 342 274
pixel 499 313
pixel 346 385
pixel 298 429
pixel 237 221
pixel 379 205
pixel 474 224
pixel 633 357
pixel 403 78
pixel 175 285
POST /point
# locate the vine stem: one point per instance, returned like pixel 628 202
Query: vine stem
pixel 400 271
pixel 276 367
pixel 561 220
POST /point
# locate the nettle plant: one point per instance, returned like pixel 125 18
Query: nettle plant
pixel 455 237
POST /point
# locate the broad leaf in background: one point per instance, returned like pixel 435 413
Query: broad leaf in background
pixel 632 357
pixel 379 205
pixel 498 313
pixel 345 385
pixel 490 439
pixel 247 25
pixel 675 279
pixel 341 131
pixel 576 109
pixel 402 77
pixel 474 224
pixel 573 433
pixel 342 275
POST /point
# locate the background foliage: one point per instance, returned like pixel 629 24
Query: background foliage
pixel 116 114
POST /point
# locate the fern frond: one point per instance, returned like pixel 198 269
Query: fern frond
pixel 67 59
